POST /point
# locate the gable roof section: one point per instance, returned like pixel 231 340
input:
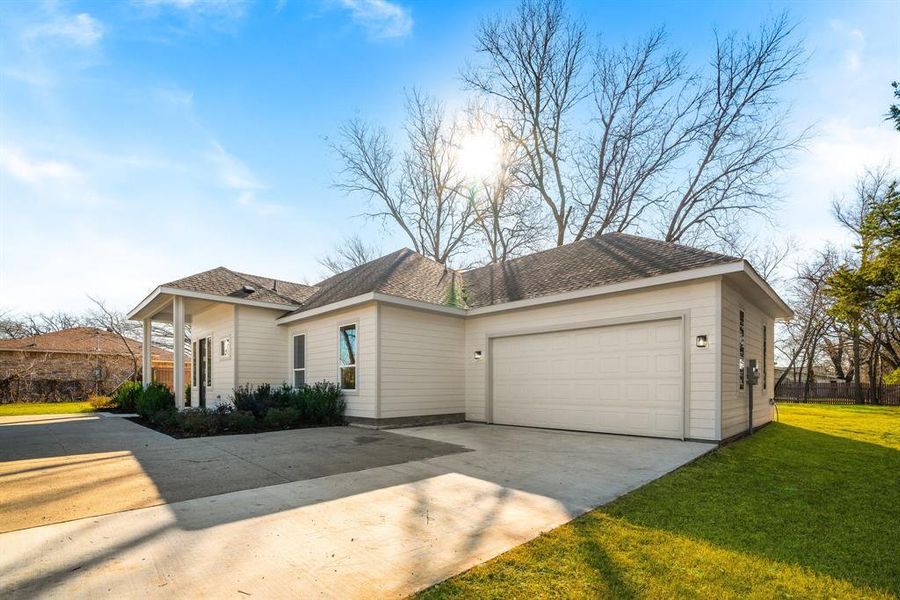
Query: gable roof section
pixel 615 258
pixel 82 340
pixel 604 260
pixel 225 282
pixel 404 273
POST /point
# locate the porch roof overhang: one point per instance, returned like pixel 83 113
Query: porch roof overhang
pixel 158 304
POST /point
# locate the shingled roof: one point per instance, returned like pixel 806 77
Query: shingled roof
pixel 403 273
pixel 604 260
pixel 82 340
pixel 225 282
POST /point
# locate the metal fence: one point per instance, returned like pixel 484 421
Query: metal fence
pixel 837 393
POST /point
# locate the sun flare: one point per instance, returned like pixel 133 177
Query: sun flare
pixel 480 155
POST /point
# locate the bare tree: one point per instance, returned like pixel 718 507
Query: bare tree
pixel 701 148
pixel 767 255
pixel 507 215
pixel 646 111
pixel 351 252
pixel 531 68
pixel 420 192
pixel 742 140
pixel 801 338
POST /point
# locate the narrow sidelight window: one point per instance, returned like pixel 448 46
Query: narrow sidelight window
pixel 347 356
pixel 765 355
pixel 299 360
pixel 741 349
pixel 195 364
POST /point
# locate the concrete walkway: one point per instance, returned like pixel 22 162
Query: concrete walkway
pixel 386 531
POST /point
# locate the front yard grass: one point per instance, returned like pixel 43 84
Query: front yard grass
pixel 807 507
pixel 44 408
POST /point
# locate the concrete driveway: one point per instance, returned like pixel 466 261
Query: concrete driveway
pixel 337 512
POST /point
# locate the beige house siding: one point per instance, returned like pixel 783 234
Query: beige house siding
pixel 699 300
pixel 422 363
pixel 261 347
pixel 216 322
pixel 734 399
pixel 322 354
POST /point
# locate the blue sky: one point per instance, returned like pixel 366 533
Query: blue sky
pixel 142 141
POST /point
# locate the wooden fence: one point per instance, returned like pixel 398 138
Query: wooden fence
pixel 837 393
pixel 165 374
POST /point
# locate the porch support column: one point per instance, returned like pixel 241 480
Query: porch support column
pixel 178 325
pixel 146 365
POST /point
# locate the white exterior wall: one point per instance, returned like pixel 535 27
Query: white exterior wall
pixel 422 358
pixel 698 299
pixel 216 322
pixel 322 354
pixel 260 347
pixel 734 399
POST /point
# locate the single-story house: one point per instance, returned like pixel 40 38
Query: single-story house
pixel 71 364
pixel 617 333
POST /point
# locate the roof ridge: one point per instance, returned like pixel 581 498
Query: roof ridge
pixel 243 276
pixel 666 243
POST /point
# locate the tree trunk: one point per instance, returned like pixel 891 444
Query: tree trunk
pixel 857 390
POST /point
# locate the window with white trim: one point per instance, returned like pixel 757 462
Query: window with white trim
pixel 741 349
pixel 299 360
pixel 765 355
pixel 347 356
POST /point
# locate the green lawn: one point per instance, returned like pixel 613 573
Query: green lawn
pixel 808 507
pixel 44 408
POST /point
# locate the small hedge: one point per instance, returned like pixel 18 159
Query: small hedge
pixel 155 398
pixel 253 409
pixel 126 395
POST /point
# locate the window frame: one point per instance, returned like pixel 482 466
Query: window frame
pixel 209 361
pixel 741 348
pixel 355 365
pixel 195 366
pixel 294 369
pixel 765 355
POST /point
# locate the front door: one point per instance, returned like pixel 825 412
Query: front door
pixel 204 374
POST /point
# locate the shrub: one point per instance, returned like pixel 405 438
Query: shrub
pixel 238 421
pixel 282 418
pixel 167 419
pixel 325 404
pixel 255 400
pixel 126 395
pixel 101 402
pixel 198 421
pixel 154 399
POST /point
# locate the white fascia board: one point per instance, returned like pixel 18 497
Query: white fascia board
pixel 362 298
pixel 143 304
pixel 204 296
pixel 681 276
pixel 787 312
pixel 419 305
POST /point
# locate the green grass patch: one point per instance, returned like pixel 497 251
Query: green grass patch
pixel 807 507
pixel 44 408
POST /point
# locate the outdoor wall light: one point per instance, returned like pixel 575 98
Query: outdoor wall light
pixel 702 342
pixel 478 355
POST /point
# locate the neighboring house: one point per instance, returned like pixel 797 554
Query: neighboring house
pixel 70 364
pixel 618 334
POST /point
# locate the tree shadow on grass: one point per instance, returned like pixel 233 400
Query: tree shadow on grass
pixel 791 495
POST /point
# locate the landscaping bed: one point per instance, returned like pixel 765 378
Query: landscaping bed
pixel 251 410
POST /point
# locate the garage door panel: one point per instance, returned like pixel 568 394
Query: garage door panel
pixel 618 379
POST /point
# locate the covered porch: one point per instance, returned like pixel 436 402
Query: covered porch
pixel 176 310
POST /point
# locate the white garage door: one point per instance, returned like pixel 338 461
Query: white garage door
pixel 617 379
